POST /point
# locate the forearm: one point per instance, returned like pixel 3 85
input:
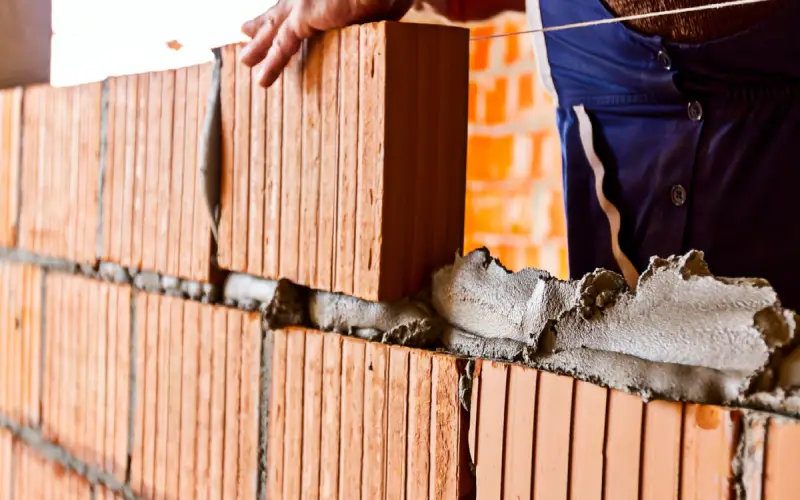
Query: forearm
pixel 473 10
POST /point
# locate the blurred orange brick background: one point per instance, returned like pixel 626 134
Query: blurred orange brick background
pixel 514 202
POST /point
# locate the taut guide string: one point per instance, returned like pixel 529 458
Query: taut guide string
pixel 585 24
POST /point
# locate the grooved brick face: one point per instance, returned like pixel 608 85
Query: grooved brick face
pixel 598 443
pixel 20 342
pixel 154 215
pixel 10 110
pixel 60 168
pixel 37 478
pixel 348 174
pixel 6 457
pixel 352 419
pixel 87 369
pixel 196 421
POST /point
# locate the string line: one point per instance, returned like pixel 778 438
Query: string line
pixel 634 17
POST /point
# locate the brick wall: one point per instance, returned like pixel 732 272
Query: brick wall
pixel 125 372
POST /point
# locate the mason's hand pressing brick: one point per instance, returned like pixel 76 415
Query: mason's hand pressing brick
pixel 278 33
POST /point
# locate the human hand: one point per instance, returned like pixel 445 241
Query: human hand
pixel 277 34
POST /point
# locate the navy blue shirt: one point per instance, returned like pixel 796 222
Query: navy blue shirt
pixel 699 145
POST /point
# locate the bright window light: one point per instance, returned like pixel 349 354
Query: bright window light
pixel 95 39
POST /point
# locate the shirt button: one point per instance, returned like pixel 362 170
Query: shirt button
pixel 695 110
pixel 678 195
pixel 664 60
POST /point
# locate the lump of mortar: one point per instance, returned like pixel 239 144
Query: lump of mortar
pixel 171 285
pixel 478 295
pixel 243 287
pixel 148 281
pixel 342 313
pixel 209 293
pixel 191 289
pixel 288 307
pixel 467 344
pixel 680 313
pixel 113 273
pixel 419 333
pixel 87 270
pixel 778 400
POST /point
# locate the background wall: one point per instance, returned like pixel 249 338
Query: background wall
pixel 514 200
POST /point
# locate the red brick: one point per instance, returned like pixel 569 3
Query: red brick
pixel 351 246
pixel 61 165
pixel 177 172
pixel 479 49
pixel 277 415
pixel 489 158
pixel 525 92
pixel 258 178
pixel 86 390
pixel 446 429
pixel 520 430
pixel 347 417
pixel 311 166
pixel 495 104
pixel 586 440
pixel 20 316
pixel 345 253
pixel 660 467
pixel 39 479
pixel 6 457
pixel 192 366
pixel 155 219
pixel 397 424
pixel 10 128
pixel 375 398
pixel 330 92
pixel 473 103
pixel 164 191
pixel 623 445
pixel 249 404
pixel 331 421
pixel 710 437
pixel 488 448
pixel 780 468
pixel 312 414
pixel 419 425
pixel 189 192
pixel 189 400
pixel 512 52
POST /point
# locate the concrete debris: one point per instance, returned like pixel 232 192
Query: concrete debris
pixel 683 334
pixel 407 322
pixel 114 273
pixel 748 462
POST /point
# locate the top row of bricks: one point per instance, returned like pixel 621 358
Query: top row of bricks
pixel 348 175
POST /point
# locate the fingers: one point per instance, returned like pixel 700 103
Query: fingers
pixel 251 27
pixel 256 50
pixel 286 44
pixel 262 30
